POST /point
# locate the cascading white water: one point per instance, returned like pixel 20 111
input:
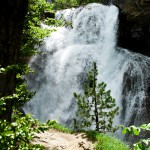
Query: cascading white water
pixel 67 56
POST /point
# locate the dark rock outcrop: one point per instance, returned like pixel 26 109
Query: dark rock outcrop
pixel 134 25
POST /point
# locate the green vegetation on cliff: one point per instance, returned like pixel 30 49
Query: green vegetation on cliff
pixel 64 4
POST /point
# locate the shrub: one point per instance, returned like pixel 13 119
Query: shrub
pixel 143 143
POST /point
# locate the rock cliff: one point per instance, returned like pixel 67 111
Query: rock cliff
pixel 134 34
pixel 134 25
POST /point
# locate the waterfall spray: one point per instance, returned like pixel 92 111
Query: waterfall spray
pixel 66 57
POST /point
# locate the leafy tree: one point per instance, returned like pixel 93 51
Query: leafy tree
pixel 33 34
pixel 96 106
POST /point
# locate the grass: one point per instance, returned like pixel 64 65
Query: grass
pixel 105 142
pixel 58 127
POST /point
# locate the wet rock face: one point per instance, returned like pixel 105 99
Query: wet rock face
pixel 140 108
pixel 139 115
pixel 134 25
pixel 134 34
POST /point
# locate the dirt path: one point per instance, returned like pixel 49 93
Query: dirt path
pixel 55 140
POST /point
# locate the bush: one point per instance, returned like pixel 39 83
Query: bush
pixel 143 143
pixel 17 134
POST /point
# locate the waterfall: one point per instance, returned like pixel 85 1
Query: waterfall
pixel 66 57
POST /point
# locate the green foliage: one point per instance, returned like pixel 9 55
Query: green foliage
pixel 19 98
pixel 33 34
pixel 64 4
pixel 17 134
pixel 21 94
pixel 17 68
pixel 92 135
pixel 96 106
pixel 143 143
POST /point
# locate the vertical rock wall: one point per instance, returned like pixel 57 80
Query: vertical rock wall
pixel 134 25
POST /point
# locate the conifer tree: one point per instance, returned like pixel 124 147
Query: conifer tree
pixel 96 107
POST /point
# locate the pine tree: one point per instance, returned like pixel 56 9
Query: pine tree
pixel 96 107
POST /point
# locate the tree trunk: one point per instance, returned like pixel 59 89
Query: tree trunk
pixel 12 15
pixel 95 99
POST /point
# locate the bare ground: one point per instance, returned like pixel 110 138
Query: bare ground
pixel 55 140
